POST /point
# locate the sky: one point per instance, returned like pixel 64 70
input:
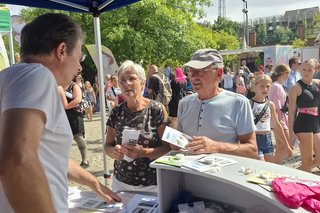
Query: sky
pixel 256 8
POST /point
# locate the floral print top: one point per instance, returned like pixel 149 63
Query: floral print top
pixel 146 121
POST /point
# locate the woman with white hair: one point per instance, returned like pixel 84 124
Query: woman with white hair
pixel 134 133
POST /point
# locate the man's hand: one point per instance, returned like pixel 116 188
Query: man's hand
pixel 200 145
pixel 133 152
pixel 104 192
pixel 83 177
pixel 117 152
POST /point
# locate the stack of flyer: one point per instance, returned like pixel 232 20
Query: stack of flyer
pixel 208 162
pixel 131 202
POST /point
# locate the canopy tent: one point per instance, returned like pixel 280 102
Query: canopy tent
pixel 5 28
pixel 95 7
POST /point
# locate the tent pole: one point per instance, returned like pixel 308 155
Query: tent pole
pixel 97 33
pixel 11 48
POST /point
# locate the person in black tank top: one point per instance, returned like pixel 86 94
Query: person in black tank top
pixel 303 102
pixel 309 95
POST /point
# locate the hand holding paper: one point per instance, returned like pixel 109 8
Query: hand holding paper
pixel 129 137
pixel 175 137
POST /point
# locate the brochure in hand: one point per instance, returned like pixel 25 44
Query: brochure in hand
pixel 175 137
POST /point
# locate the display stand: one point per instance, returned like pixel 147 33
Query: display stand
pixel 229 185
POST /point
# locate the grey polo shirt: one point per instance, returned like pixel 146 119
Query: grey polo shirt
pixel 221 118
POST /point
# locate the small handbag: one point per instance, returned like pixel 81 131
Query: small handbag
pixel 285 107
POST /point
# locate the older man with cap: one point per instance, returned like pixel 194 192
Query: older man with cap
pixel 218 120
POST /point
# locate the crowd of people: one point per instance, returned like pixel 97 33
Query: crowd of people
pixel 222 111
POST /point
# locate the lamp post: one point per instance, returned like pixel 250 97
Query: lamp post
pixel 245 23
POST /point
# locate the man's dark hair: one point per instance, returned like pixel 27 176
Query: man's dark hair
pixel 46 32
pixel 293 60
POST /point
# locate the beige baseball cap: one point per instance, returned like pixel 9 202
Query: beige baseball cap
pixel 204 57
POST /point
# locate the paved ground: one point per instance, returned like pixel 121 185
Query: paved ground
pixel 95 150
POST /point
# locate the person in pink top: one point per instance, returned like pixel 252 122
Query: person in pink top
pixel 278 95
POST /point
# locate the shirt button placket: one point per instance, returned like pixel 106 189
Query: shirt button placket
pixel 200 117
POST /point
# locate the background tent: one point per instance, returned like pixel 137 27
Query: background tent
pixel 95 7
pixel 4 62
pixel 5 29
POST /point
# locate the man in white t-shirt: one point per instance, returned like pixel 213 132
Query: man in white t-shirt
pixel 35 136
pixel 219 121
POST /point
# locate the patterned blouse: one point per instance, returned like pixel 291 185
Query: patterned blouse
pixel 146 121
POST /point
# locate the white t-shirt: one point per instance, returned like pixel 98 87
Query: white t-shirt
pixel 110 93
pixel 227 81
pixel 34 86
pixel 263 124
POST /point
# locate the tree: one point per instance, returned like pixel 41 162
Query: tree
pixel 261 30
pixel 297 43
pixel 226 25
pixel 283 35
pixel 151 31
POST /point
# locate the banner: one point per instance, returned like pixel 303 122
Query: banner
pixel 5 21
pixel 109 63
pixel 4 61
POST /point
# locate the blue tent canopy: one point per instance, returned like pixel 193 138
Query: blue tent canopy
pixel 95 7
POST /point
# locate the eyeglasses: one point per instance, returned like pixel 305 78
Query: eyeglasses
pixel 83 57
pixel 197 72
pixel 131 79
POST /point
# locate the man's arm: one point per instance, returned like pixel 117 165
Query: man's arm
pixel 22 176
pixel 247 146
pixel 83 177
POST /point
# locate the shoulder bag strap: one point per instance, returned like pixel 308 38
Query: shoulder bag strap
pixel 115 95
pixel 263 111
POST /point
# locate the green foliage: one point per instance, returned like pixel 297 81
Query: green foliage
pixel 297 43
pixel 225 41
pixel 151 31
pixel 284 35
pixel 226 25
pixel 261 31
pixel 228 59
